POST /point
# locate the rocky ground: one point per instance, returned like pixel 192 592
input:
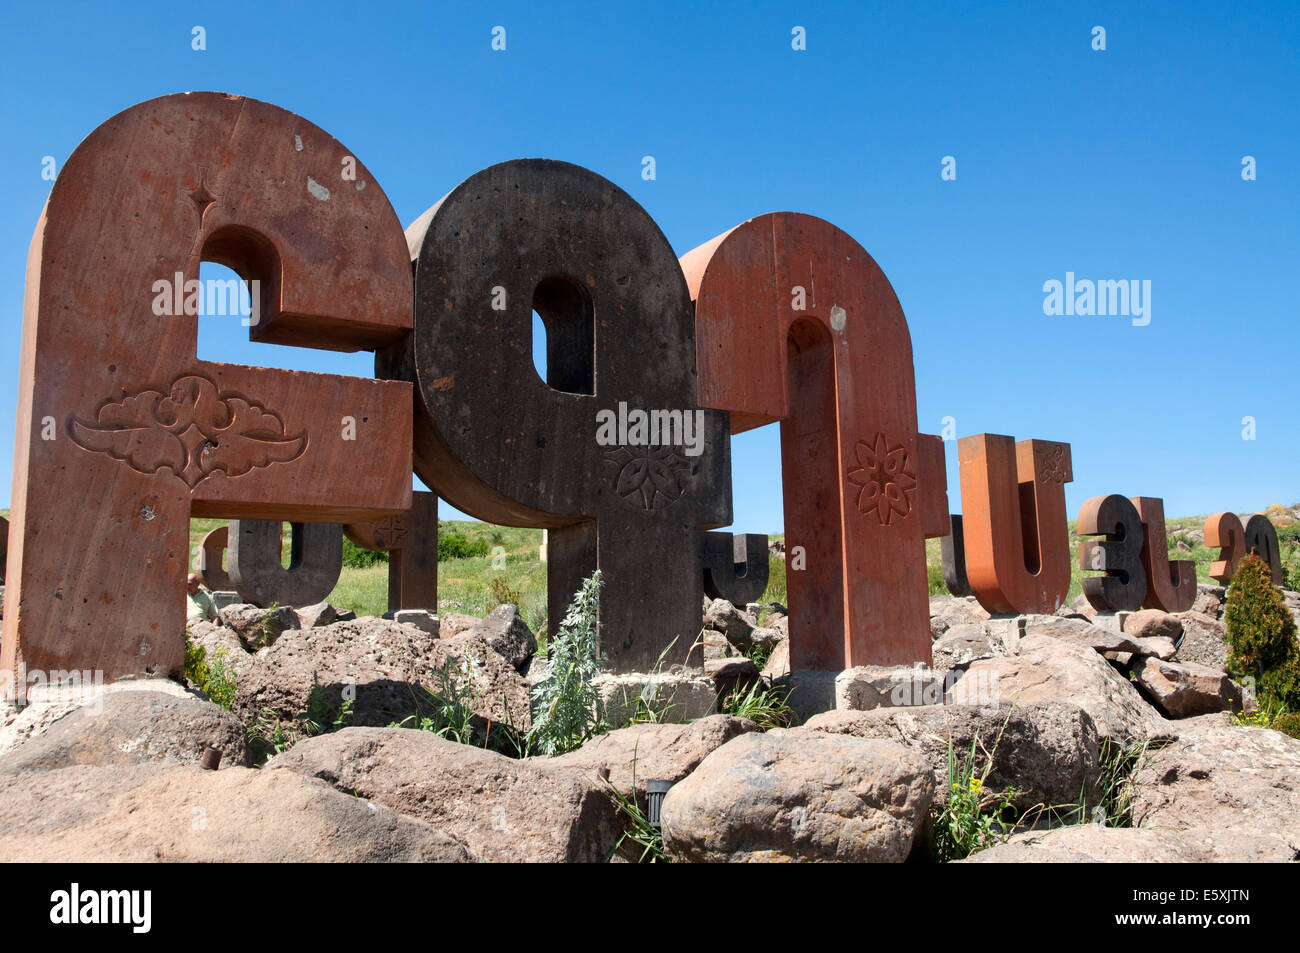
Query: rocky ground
pixel 1046 700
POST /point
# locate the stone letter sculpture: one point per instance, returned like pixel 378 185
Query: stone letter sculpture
pixel 411 541
pixel 796 323
pixel 1122 587
pixel 315 561
pixel 1171 586
pixel 147 434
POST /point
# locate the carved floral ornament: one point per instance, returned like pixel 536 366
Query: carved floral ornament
pixel 884 473
pixel 192 430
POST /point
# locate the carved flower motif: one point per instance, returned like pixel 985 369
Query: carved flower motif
pixel 192 431
pixel 650 477
pixel 1050 462
pixel 885 475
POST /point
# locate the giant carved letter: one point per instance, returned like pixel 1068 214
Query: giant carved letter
pixel 256 554
pixel 497 441
pixel 1171 586
pixel 147 433
pixel 1224 531
pixel 411 541
pixel 1122 587
pixel 1013 518
pixel 796 323
pixel 1261 539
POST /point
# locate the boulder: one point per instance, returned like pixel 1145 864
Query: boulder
pixel 671 696
pixel 716 646
pixel 961 644
pixel 1153 623
pixel 764 639
pixel 221 645
pixel 649 752
pixel 154 812
pixel 257 628
pixel 1210 601
pixel 1184 689
pixel 778 663
pixel 1230 790
pixel 809 692
pixel 722 616
pixel 506 631
pixel 422 619
pixel 782 796
pixel 731 675
pixel 1049 751
pixel 887 686
pixel 1204 641
pixel 452 624
pixel 387 669
pixel 1099 638
pixel 1049 669
pixel 322 613
pixel 133 727
pixel 1092 844
pixel 947 611
pixel 502 809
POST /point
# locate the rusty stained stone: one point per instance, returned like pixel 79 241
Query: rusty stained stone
pixel 257 554
pixel 4 548
pixel 1013 519
pixel 150 435
pixel 411 541
pixel 1224 531
pixel 952 558
pixel 796 323
pixel 735 567
pixel 1171 586
pixel 1122 587
pixel 496 441
pixel 212 553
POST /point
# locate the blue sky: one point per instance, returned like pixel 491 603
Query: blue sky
pixel 1115 164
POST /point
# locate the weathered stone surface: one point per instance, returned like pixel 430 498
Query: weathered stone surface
pixel 134 727
pixel 389 666
pixel 502 809
pixel 1112 542
pixel 1093 844
pixel 723 617
pixel 452 624
pixel 963 643
pixel 1098 638
pixel 723 554
pixel 255 627
pixel 322 613
pixel 422 619
pixel 109 503
pixel 863 489
pixel 783 796
pixel 221 644
pixel 580 253
pixel 676 696
pixel 1171 586
pixel 1184 689
pixel 147 813
pixel 1231 791
pixel 1210 601
pixel 949 611
pixel 1153 623
pixel 995 511
pixel 766 638
pixel 411 541
pixel 45 708
pixel 809 692
pixel 716 646
pixel 1047 751
pixel 1050 669
pixel 778 663
pixel 660 752
pixel 506 631
pixel 1204 641
pixel 877 686
pixel 316 559
pixel 731 675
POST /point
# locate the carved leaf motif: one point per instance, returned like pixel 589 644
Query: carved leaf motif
pixel 192 431
pixel 650 477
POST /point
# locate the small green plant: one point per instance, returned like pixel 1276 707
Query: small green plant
pixel 568 706
pixel 970 819
pixel 452 711
pixel 1262 635
pixel 639 831
pixel 1288 724
pixel 503 593
pixel 213 677
pixel 268 735
pixel 934 578
pixel 764 705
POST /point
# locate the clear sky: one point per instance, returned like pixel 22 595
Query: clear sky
pixel 1117 164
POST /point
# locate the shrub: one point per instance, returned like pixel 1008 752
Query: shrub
pixel 1288 724
pixel 1262 635
pixel 210 676
pixel 567 705
pixel 357 558
pixel 459 546
pixel 504 593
